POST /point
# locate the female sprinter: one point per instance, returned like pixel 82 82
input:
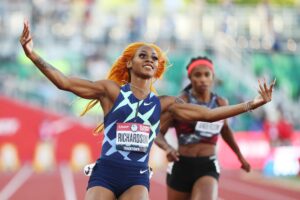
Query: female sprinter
pixel 132 116
pixel 195 172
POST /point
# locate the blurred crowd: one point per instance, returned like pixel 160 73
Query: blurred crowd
pixel 84 37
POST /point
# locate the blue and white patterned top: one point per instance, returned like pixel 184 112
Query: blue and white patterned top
pixel 127 108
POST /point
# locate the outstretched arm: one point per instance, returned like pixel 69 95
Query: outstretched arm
pixel 190 112
pixel 83 88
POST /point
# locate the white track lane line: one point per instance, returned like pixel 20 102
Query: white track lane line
pixel 252 191
pixel 68 182
pixel 16 182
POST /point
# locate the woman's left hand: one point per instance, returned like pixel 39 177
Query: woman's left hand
pixel 245 165
pixel 172 154
pixel 265 92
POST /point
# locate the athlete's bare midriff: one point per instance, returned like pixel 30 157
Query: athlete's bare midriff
pixel 197 150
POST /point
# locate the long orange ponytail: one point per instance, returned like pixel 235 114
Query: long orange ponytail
pixel 119 71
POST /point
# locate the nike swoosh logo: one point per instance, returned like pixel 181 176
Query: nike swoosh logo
pixel 143 171
pixel 147 104
pixel 88 169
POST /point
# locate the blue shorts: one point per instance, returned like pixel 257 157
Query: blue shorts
pixel 118 176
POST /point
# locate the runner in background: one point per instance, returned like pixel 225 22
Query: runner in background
pixel 195 172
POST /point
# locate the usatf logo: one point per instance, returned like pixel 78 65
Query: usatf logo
pixel 134 127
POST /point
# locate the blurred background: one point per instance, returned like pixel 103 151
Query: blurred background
pixel 43 138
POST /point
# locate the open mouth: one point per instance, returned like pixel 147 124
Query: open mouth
pixel 148 66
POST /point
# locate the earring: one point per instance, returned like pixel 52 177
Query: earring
pixel 128 65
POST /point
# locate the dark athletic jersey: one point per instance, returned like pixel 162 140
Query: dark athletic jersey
pixel 199 132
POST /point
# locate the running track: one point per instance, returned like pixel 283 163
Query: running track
pixel 63 184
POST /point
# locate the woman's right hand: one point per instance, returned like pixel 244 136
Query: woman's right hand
pixel 26 39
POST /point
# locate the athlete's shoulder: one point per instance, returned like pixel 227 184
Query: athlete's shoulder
pixel 171 99
pixel 165 98
pixel 184 96
pixel 221 101
pixel 167 101
pixel 108 84
pixel 113 83
pixel 111 88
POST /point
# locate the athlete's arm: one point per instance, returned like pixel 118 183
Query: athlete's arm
pixel 172 154
pixel 191 112
pixel 166 121
pixel 83 88
pixel 227 136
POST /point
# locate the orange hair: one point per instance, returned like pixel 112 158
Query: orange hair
pixel 120 74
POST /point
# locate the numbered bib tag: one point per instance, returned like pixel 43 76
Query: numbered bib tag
pixel 214 127
pixel 132 137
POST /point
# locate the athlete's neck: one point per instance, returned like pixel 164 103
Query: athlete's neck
pixel 203 96
pixel 140 87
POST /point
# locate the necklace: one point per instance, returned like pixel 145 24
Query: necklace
pixel 136 87
pixel 138 104
pixel 139 89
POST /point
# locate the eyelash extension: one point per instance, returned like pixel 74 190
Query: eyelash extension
pixel 153 57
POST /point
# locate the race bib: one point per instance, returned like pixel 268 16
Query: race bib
pixel 214 127
pixel 132 137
